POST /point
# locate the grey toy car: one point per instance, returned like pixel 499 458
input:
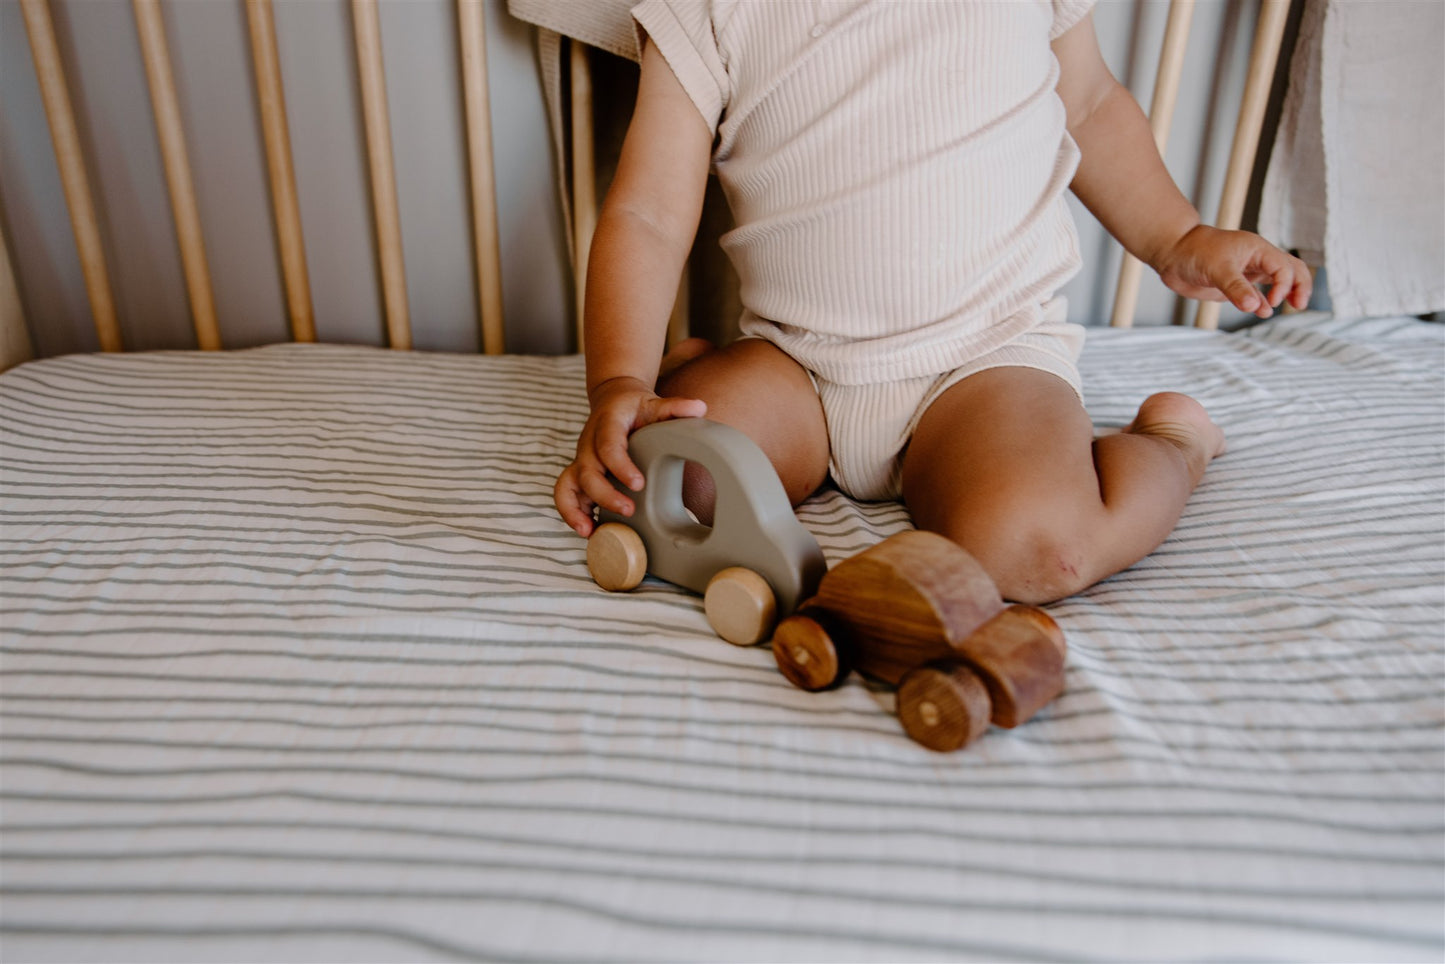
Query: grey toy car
pixel 753 565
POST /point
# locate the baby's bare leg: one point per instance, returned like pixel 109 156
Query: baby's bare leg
pixel 682 353
pixel 1005 463
pixel 754 386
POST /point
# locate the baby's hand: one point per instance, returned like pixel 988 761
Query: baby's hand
pixel 620 406
pixel 1214 265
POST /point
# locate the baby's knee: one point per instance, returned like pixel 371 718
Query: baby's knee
pixel 680 382
pixel 683 352
pixel 1030 562
pixel 1052 566
pixel 1043 566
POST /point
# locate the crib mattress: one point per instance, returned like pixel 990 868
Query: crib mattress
pixel 298 663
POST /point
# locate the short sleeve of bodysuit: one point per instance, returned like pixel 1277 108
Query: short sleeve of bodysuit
pixel 682 31
pixel 1067 13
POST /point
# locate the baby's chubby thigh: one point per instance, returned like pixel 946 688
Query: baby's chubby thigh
pixel 756 387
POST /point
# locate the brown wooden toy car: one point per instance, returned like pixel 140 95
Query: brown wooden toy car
pixel 918 611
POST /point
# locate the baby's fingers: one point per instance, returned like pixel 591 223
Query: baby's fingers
pixel 1282 285
pixel 1304 284
pixel 610 447
pixel 572 503
pixel 599 488
pixel 662 409
pixel 612 437
pixel 1290 282
pixel 1245 296
pixel 1288 278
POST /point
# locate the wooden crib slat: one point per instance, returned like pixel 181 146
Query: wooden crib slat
pixel 1161 117
pixel 269 93
pixel 171 135
pixel 1268 32
pixel 366 25
pixel 471 20
pixel 15 344
pixel 70 159
pixel 584 176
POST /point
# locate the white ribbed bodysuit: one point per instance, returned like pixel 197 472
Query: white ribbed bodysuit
pixel 896 171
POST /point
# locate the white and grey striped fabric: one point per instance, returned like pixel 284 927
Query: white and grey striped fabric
pixel 299 664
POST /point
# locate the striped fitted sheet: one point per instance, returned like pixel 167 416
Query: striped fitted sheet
pixel 299 664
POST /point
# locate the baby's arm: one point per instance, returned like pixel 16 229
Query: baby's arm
pixel 1123 181
pixel 644 232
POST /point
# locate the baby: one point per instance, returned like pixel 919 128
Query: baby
pixel 896 172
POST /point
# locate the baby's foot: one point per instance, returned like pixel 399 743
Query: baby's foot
pixel 1183 422
pixel 682 353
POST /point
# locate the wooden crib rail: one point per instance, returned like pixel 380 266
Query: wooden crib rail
pixel 385 208
pixel 55 92
pixel 584 175
pixel 265 58
pixel 172 137
pixel 486 235
pixel 289 234
pixel 150 27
